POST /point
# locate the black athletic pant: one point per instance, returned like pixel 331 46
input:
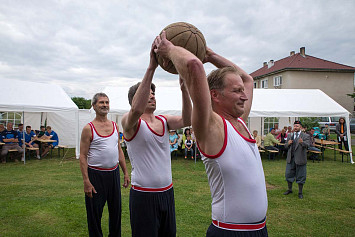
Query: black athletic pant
pixel 107 186
pixel 152 213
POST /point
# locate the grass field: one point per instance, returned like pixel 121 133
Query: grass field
pixel 45 198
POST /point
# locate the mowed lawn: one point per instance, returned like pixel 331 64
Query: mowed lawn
pixel 46 198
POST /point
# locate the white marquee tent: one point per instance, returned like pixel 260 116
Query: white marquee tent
pixel 38 102
pixel 266 103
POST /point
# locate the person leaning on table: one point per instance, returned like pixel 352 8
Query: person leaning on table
pixel 50 135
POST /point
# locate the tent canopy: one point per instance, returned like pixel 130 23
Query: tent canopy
pixel 34 97
pixel 40 101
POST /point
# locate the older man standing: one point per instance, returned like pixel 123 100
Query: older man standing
pixel 10 138
pixel 221 104
pixel 296 167
pixel 151 201
pixel 100 155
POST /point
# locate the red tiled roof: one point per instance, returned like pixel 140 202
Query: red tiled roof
pixel 299 62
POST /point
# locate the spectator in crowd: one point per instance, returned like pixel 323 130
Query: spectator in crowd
pixel 289 130
pixel 326 131
pixel 341 132
pixel 186 132
pixel 257 138
pixel 10 138
pixel 2 128
pixel 277 129
pixel 30 138
pixel 270 142
pixel 20 135
pixel 282 137
pixel 173 141
pixel 50 135
pixel 188 146
pixel 313 156
pixel 42 131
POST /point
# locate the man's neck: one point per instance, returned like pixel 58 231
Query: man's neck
pixel 101 118
pixel 148 116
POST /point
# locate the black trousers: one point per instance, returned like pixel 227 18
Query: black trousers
pixel 214 231
pixel 341 141
pixel 107 186
pixel 152 213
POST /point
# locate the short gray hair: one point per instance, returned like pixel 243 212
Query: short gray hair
pixel 97 96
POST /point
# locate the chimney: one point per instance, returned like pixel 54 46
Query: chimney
pixel 270 64
pixel 264 64
pixel 292 53
pixel 303 51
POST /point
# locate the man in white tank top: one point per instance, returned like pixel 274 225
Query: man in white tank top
pixel 221 104
pixel 152 208
pixel 100 155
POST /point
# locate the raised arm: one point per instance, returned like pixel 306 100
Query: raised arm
pixel 176 122
pixel 221 62
pixel 140 99
pixel 190 68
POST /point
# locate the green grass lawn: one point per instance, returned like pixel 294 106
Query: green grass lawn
pixel 46 198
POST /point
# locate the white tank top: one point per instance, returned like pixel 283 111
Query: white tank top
pixel 236 179
pixel 149 153
pixel 103 151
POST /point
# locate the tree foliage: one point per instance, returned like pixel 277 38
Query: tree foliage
pixel 310 122
pixel 81 102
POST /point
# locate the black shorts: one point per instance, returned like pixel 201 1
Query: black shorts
pixel 152 213
pixel 214 231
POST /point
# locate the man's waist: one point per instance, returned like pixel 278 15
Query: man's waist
pixel 150 189
pixel 240 226
pixel 103 168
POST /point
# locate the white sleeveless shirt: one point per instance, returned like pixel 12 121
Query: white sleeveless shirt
pixel 236 179
pixel 103 151
pixel 149 153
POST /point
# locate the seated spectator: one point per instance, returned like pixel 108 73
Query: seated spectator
pixel 30 138
pixel 257 138
pixel 277 130
pixel 186 132
pixel 282 137
pixel 20 135
pixel 188 147
pixel 326 131
pixel 270 142
pixel 313 156
pixel 10 138
pixel 42 131
pixel 50 135
pixel 173 141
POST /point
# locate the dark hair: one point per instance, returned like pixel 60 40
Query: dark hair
pixel 96 97
pixel 216 77
pixel 187 129
pixel 20 124
pixel 28 126
pixel 133 89
pixel 341 118
pixel 42 126
pixel 49 127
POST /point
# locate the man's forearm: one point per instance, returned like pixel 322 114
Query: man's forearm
pixel 84 168
pixel 186 108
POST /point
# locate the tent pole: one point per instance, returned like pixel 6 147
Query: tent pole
pixel 347 121
pixel 23 138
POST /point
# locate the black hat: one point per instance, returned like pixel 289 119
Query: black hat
pixel 297 122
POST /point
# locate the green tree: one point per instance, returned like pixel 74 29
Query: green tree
pixel 310 122
pixel 81 102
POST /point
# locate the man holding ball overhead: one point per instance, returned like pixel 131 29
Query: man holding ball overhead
pixel 151 202
pixel 222 103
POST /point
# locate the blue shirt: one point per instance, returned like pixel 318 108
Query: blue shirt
pixel 54 137
pixel 20 137
pixel 8 135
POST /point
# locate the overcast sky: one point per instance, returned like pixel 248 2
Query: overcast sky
pixel 85 46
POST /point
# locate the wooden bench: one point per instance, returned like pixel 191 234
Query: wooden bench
pixel 315 152
pixel 10 152
pixel 31 149
pixel 59 147
pixel 271 152
pixel 342 154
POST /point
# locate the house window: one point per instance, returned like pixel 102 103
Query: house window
pixel 278 81
pixel 255 84
pixel 13 117
pixel 269 123
pixel 264 83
